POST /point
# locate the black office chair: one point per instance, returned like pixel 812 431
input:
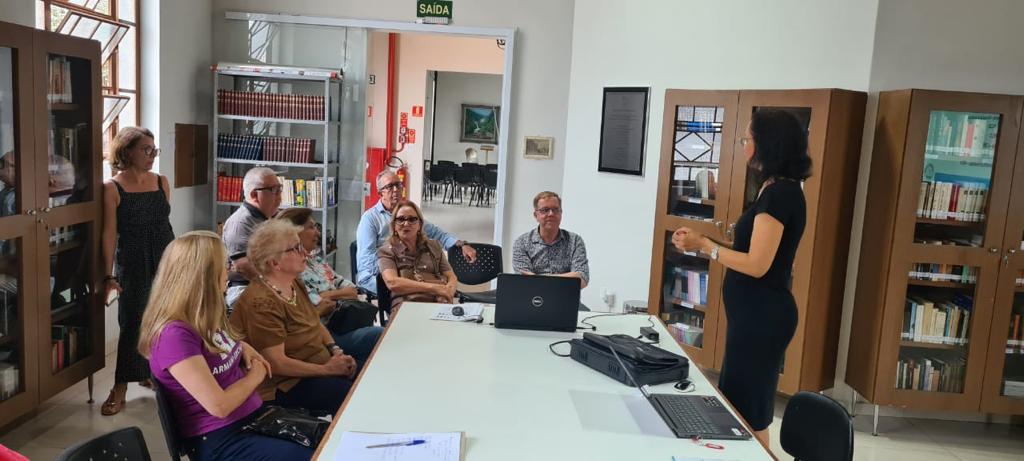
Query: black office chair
pixel 353 266
pixel 486 268
pixel 383 300
pixel 465 182
pixel 167 422
pixel 124 444
pixel 816 428
pixel 490 185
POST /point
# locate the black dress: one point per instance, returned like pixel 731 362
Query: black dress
pixel 143 231
pixel 761 312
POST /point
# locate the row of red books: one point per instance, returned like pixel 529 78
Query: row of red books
pixel 270 105
pixel 229 188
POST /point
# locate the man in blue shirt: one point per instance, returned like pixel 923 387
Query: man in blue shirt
pixel 375 227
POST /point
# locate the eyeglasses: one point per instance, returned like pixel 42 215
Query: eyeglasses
pixel 298 249
pixel 407 220
pixel 151 151
pixel 745 141
pixel 393 187
pixel 272 189
pixel 552 211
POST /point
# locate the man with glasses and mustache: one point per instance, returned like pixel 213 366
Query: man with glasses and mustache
pixel 262 192
pixel 548 249
pixel 374 229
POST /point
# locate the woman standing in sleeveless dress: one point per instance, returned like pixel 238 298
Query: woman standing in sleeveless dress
pixel 759 306
pixel 136 229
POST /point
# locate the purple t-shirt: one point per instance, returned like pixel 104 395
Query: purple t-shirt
pixel 178 341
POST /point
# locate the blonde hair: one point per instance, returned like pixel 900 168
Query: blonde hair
pixel 125 140
pixel 420 237
pixel 270 240
pixel 188 288
pixel 544 195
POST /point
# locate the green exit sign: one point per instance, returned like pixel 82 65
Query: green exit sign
pixel 434 11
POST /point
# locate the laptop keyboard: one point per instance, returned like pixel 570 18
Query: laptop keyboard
pixel 685 414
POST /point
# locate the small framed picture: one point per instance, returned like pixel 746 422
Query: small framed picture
pixel 539 147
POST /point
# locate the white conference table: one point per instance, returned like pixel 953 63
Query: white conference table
pixel 514 399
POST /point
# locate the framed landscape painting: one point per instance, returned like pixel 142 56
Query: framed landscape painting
pixel 479 124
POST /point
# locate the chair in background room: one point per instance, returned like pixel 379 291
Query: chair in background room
pixel 486 268
pixel 353 249
pixel 170 427
pixel 438 178
pixel 127 444
pixel 383 300
pixel 490 186
pixel 816 428
pixel 465 183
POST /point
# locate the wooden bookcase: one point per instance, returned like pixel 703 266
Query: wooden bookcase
pixel 701 132
pixel 939 284
pixel 51 316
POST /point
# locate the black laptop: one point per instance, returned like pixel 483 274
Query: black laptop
pixel 537 302
pixel 690 415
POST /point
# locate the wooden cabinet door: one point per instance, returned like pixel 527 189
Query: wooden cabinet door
pixel 693 191
pixel 951 216
pixel 811 108
pixel 1003 388
pixel 18 363
pixel 68 191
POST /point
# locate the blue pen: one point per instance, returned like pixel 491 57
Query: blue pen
pixel 398 444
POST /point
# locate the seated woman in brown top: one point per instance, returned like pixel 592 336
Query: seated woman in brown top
pixel 274 315
pixel 414 267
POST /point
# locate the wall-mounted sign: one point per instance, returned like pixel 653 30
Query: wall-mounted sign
pixel 417 111
pixel 434 11
pixel 623 131
pixel 411 136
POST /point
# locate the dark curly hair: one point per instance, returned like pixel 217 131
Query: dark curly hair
pixel 780 145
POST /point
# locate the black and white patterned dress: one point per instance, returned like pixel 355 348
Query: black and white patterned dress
pixel 143 231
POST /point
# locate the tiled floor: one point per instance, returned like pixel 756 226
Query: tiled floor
pixel 67 419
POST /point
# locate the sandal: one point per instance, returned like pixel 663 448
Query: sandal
pixel 112 407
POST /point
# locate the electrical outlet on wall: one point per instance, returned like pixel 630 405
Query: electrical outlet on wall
pixel 608 296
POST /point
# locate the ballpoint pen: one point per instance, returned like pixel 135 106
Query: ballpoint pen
pixel 398 444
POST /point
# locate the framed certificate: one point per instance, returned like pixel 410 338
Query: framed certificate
pixel 623 130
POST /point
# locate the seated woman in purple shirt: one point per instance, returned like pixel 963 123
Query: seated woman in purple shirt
pixel 209 377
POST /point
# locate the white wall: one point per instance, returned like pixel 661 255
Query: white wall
pixel 377 94
pixel 726 45
pixel 540 78
pixel 453 90
pixel 19 12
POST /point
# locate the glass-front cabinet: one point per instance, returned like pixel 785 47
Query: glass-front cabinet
pixel 51 320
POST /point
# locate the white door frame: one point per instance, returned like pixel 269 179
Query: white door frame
pixel 508 34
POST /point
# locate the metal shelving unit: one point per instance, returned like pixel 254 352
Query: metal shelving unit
pixel 283 80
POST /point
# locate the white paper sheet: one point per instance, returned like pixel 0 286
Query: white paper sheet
pixel 438 446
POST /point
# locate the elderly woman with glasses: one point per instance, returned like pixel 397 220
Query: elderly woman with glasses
pixel 414 267
pixel 330 292
pixel 136 229
pixel 275 315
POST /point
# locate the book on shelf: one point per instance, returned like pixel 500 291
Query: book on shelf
pixel 942 322
pixel 266 148
pixel 944 273
pixel 686 334
pixel 9 380
pixel 962 135
pixel 308 192
pixel 66 345
pixel 690 286
pixel 964 202
pixel 928 372
pixel 59 84
pixel 1013 387
pixel 229 188
pixel 1015 336
pixel 270 105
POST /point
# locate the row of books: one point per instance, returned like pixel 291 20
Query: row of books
pixel 270 105
pixel 1015 337
pixel 266 148
pixel 9 380
pixel 974 240
pixel 59 84
pixel 952 201
pixel 930 373
pixel 687 334
pixel 67 345
pixel 689 286
pixel 295 192
pixel 937 322
pixel 944 273
pixel 962 135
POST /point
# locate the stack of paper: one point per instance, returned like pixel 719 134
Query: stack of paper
pixel 426 446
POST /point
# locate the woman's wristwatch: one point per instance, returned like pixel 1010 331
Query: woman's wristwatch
pixel 714 252
pixel 333 347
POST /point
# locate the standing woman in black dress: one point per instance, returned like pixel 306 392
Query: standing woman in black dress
pixel 759 306
pixel 136 229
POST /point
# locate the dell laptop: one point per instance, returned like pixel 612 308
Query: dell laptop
pixel 690 415
pixel 537 302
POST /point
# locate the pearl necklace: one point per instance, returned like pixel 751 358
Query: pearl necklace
pixel 280 293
